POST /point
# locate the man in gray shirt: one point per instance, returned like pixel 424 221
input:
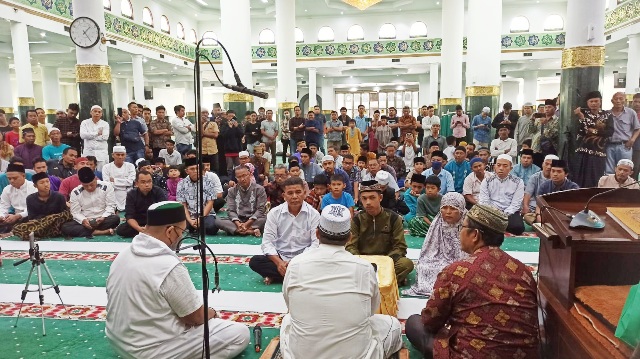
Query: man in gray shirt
pixel 269 130
pixel 626 129
pixel 334 131
pixel 246 206
pixel 522 127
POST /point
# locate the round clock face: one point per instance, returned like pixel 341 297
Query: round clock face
pixel 84 32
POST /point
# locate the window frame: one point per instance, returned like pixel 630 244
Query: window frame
pixel 512 31
pixel 297 31
pixel 266 30
pixel 150 14
pixel 130 7
pixel 106 4
pixel 395 32
pixel 426 30
pixel 168 29
pixel 214 38
pixel 359 38
pixel 553 28
pixel 179 26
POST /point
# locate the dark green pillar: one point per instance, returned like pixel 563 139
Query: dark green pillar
pixel 238 102
pixel 478 97
pixel 191 116
pixel 448 105
pixel 24 104
pixel 94 86
pixel 51 115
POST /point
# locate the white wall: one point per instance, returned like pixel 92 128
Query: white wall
pixel 536 13
pixel 548 90
pixel 510 92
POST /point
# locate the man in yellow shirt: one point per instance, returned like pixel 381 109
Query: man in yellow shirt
pixel 42 134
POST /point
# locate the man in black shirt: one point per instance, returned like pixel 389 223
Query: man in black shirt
pixel 506 117
pixel 296 127
pixel 66 166
pixel 138 201
pixel 47 211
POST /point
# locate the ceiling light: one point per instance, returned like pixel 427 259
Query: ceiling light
pixel 118 72
pixel 196 15
pixel 606 57
pixel 38 63
pixel 353 89
pixel 38 42
pixel 202 2
pixel 175 67
pixel 341 12
pixel 376 89
pixel 351 76
pixel 305 10
pixel 437 2
pixel 144 59
pixel 43 34
pixel 361 4
pixel 265 1
pixel 400 88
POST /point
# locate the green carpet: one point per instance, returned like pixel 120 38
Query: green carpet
pixel 520 244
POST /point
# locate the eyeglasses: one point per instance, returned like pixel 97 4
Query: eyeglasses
pixel 182 230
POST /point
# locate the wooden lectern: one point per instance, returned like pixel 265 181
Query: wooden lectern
pixel 582 258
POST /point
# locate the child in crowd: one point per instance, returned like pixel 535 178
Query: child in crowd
pixel 299 147
pixel 411 195
pixel 451 146
pixel 13 137
pixel 345 150
pixel 408 151
pixel 295 170
pixel 320 183
pixel 419 165
pixel 526 144
pixel 354 138
pixel 362 162
pixel 383 134
pixel 428 207
pixel 172 182
pixel 364 150
pixel 338 195
pixel 316 156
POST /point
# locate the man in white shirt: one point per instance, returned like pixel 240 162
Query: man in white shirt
pixel 15 196
pixel 471 187
pixel 428 120
pixel 154 310
pixel 95 133
pixel 332 298
pixel 505 192
pixel 120 174
pixel 170 155
pixel 503 145
pixel 183 130
pixel 290 230
pixel 93 207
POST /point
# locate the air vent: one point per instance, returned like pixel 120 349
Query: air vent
pixel 274 64
pixel 184 62
pixel 608 37
pixel 395 60
pixel 167 85
pixel 503 76
pixel 615 72
pixel 161 56
pixel 558 74
pixel 304 82
pixel 350 62
pixel 527 54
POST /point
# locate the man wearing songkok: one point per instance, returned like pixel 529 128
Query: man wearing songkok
pixel 475 312
pixel 558 182
pixel 138 201
pixel 505 192
pixel 187 193
pixel 70 183
pixel 121 174
pixel 471 188
pixel 621 178
pixel 47 210
pixel 503 144
pixel 93 207
pixel 525 169
pixel 153 308
pixel 288 232
pixel 246 206
pixel 532 189
pixel 95 133
pixel 14 196
pixel 334 295
pixel 378 231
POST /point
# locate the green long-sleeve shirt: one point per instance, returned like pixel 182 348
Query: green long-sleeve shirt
pixel 382 235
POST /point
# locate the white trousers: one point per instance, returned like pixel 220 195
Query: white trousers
pixel 121 198
pixel 227 339
pixel 386 330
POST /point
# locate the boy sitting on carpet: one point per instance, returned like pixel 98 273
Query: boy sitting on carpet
pixel 172 182
pixel 428 207
pixel 411 195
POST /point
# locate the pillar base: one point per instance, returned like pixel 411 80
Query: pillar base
pixel 8 111
pixel 449 105
pixel 478 97
pixel 238 102
pixel 24 104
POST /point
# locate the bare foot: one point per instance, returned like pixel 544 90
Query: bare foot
pixel 267 280
pixel 256 232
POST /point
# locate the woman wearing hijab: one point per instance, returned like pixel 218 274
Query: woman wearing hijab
pixel 441 244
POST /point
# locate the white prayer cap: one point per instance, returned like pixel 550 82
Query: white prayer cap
pixel 54 129
pixel 527 104
pixel 335 220
pixel 328 158
pixel 486 110
pixel 625 162
pixel 95 107
pixel 243 154
pixel 138 161
pixel 119 149
pixel 505 156
pixel 383 178
pixel 551 157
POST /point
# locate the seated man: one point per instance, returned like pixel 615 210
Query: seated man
pixel 378 231
pixel 138 201
pixel 328 304
pixel 471 188
pixel 525 169
pixel 558 182
pixel 289 231
pixel 4 180
pixel 172 309
pixel 64 167
pixel 275 189
pixel 40 166
pixel 309 168
pixel 246 206
pixel 187 194
pixel 438 159
pixel 467 312
pixel 532 189
pixel 622 177
pixel 13 201
pixel 93 206
pixel 505 192
pixel 503 145
pixel 411 195
pixel 70 183
pixel 121 174
pixel 47 210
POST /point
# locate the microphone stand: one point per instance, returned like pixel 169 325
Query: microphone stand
pixel 588 219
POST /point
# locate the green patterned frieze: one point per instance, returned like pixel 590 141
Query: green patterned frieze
pixel 624 14
pixel 60 8
pixel 519 41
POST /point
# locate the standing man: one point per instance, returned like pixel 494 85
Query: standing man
pixel 159 131
pixel 183 130
pixel 506 117
pixel 427 119
pixel 232 135
pixel 335 131
pixel 407 124
pixel 246 206
pixel 269 131
pixel 54 150
pixel 210 133
pixel 314 130
pixel 635 105
pixel 95 133
pixel 459 125
pixel 344 118
pixel 296 128
pixel 545 132
pixel 66 166
pixel 28 150
pixel 41 131
pixel 481 126
pixel 626 129
pixel 138 202
pixel 69 126
pixel 285 135
pixel 362 123
pixel 133 135
pixel 121 175
pixel 435 136
pixel 392 120
pixel 522 128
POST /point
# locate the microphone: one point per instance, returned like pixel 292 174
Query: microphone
pixel 257 337
pixel 587 219
pixel 243 89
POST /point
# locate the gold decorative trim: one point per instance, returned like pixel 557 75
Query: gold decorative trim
pixel 326 112
pixel 583 56
pixel 93 74
pixel 190 114
pixel 26 101
pixel 287 105
pixel 630 98
pixel 237 97
pixel 475 91
pixel 7 110
pixel 50 111
pixel 450 101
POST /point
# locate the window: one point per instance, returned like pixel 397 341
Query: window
pixel 299 35
pixel 147 17
pixel 106 4
pixel 355 32
pixel 553 23
pixel 519 24
pixel 267 37
pixel 126 9
pixel 164 24
pixel 180 31
pixel 418 29
pixel 387 31
pixel 193 37
pixel 209 37
pixel 325 34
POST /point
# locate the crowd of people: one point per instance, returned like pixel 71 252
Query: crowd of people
pixel 344 186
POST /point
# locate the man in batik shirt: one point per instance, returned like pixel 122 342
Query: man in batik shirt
pixel 484 306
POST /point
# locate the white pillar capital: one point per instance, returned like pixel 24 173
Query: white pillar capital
pixel 237 40
pixel 451 54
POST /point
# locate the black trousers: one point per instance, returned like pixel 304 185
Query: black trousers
pixel 125 230
pixel 421 339
pixel 285 146
pixel 265 267
pixel 516 224
pixel 75 229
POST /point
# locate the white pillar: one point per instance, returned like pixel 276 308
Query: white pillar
pixel 6 95
pixel 189 98
pixel 286 54
pixel 451 55
pixel 423 90
pixel 312 87
pixel 138 78
pixel 50 88
pixel 530 87
pixel 483 43
pixel 633 65
pixel 96 55
pixel 22 61
pixel 327 94
pixel 434 82
pixel 236 37
pixel 121 92
pixel 585 23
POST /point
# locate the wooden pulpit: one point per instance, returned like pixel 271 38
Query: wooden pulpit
pixel 573 259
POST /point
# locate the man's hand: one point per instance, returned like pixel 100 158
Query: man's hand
pixel 282 267
pixel 99 221
pixel 629 144
pixel 578 111
pixel 86 224
pixel 118 119
pixel 506 151
pixel 231 184
pixel 12 218
pixel 525 210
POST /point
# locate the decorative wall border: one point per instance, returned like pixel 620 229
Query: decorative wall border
pixel 625 14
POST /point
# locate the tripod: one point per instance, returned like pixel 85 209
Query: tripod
pixel 36 262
